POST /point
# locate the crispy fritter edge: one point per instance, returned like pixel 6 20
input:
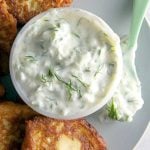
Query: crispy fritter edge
pixel 27 141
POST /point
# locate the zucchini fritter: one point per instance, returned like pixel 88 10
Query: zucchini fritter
pixel 24 10
pixel 12 121
pixel 8 27
pixel 50 134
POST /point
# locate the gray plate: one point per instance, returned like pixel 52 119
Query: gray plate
pixel 117 13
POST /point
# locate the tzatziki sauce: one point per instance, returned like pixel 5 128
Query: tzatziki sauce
pixel 66 61
pixel 127 99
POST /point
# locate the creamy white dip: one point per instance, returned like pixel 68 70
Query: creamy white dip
pixel 127 99
pixel 66 61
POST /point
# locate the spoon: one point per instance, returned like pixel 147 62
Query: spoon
pixel 139 9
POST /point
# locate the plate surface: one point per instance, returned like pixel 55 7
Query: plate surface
pixel 117 13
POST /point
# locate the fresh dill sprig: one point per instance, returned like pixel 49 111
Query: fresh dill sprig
pixel 50 73
pixel 58 25
pixel 41 46
pixel 76 35
pixel 79 21
pixel 30 58
pixel 99 52
pixel 69 89
pixel 111 67
pixel 112 111
pixel 48 77
pixel 53 33
pixel 69 86
pixel 46 20
pixel 44 52
pixel 98 70
pixel 44 79
pixel 79 93
pixel 84 84
pixel 87 70
pixel 53 28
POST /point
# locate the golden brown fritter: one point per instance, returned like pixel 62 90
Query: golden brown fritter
pixel 8 27
pixel 24 10
pixel 12 121
pixel 50 134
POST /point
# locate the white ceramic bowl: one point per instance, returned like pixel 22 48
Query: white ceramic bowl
pixel 148 16
pixel 116 79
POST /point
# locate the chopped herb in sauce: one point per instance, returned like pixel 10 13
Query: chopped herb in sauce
pixel 112 111
pixel 76 35
pixel 41 46
pixel 84 84
pixel 53 28
pixel 111 67
pixel 44 52
pixel 50 73
pixel 87 70
pixel 43 78
pixel 69 89
pixel 79 21
pixel 99 68
pixel 30 58
pixel 47 77
pixel 99 52
pixel 46 20
pixel 69 86
pixel 58 25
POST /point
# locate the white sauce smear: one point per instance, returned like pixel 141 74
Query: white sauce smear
pixel 127 99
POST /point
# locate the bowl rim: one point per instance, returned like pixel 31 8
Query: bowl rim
pixel 94 108
pixel 147 16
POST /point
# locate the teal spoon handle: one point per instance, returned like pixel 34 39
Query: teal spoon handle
pixel 139 9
